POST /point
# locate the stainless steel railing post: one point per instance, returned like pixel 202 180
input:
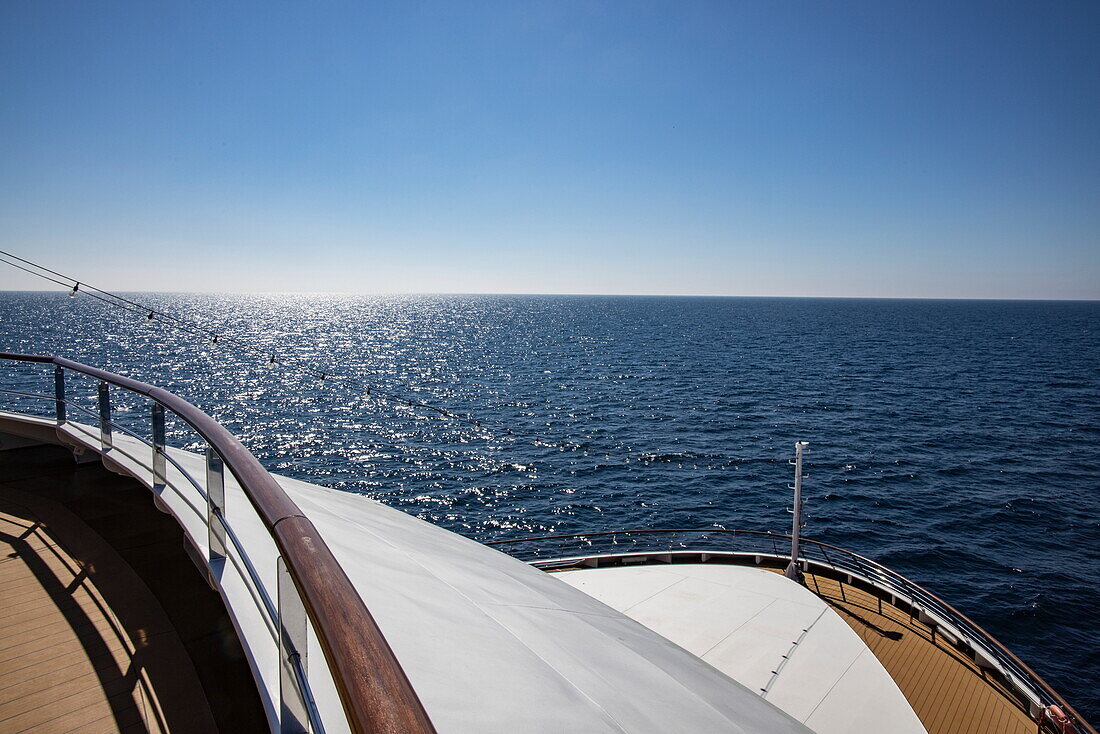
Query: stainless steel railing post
pixel 293 715
pixel 106 439
pixel 59 392
pixel 215 503
pixel 160 465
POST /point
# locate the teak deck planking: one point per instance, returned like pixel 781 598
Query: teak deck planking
pixel 948 691
pixel 105 623
pixel 66 663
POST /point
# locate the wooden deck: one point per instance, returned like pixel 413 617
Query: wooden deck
pixel 947 690
pixel 105 625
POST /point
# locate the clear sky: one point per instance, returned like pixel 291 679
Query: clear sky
pixel 740 148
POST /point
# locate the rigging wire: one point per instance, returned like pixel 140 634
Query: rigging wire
pixel 27 270
pixel 151 314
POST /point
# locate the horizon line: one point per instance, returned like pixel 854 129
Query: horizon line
pixel 577 294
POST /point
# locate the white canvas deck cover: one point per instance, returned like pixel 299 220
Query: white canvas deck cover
pixel 771 634
pixel 493 645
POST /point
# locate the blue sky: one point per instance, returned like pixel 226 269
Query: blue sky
pixel 766 148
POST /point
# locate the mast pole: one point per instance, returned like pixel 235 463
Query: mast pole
pixel 793 572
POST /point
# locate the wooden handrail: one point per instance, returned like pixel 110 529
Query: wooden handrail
pixel 373 688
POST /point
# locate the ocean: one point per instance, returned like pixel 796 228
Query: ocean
pixel 956 442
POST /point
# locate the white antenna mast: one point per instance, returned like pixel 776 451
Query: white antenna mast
pixel 793 572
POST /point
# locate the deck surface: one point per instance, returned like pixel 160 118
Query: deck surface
pixel 774 637
pixel 87 568
pixel 948 692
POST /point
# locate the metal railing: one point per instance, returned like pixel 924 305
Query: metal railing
pixel 751 547
pixel 313 592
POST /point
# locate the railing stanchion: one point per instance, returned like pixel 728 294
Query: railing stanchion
pixel 293 716
pixel 215 503
pixel 59 392
pixel 160 465
pixel 106 439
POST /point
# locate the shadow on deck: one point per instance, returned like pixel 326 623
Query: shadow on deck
pixel 106 625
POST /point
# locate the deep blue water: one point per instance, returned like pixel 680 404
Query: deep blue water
pixel 955 441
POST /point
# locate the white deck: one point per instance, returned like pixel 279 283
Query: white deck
pixel 772 635
pixel 493 645
pixel 489 643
